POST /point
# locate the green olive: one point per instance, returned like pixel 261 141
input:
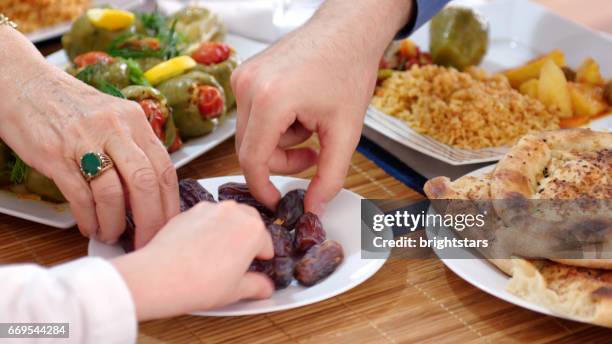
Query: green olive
pixel 84 37
pixel 179 91
pixel 36 183
pixel 458 37
pixel 196 25
pixel 5 156
pixel 223 74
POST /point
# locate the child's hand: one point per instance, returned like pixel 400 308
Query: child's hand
pixel 199 261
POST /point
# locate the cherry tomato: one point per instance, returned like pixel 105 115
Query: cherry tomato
pixel 155 116
pixel 211 53
pixel 92 58
pixel 210 101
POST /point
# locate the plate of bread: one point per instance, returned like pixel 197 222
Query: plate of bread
pixel 572 165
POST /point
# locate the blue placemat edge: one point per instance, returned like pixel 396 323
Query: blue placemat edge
pixel 390 164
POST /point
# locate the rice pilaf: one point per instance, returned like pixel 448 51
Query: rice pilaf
pixel 464 109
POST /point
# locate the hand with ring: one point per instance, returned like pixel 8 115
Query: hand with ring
pixel 99 150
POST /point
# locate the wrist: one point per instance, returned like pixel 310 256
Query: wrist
pixel 134 269
pixel 21 64
pixel 369 25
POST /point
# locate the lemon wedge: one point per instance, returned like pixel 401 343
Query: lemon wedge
pixel 110 18
pixel 169 69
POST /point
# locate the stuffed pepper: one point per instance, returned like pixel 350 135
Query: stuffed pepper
pixel 197 100
pixel 36 183
pixel 155 40
pixel 158 113
pixel 24 179
pixel 219 60
pixel 196 25
pixel 101 71
pixel 96 30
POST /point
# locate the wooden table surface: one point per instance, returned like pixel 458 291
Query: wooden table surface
pixel 406 301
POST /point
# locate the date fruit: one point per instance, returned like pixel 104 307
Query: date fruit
pixel 282 241
pixel 265 267
pixel 192 193
pixel 290 208
pixel 319 262
pixel 240 193
pixel 283 272
pixel 308 232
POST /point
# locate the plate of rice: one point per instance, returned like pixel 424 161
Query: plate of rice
pixel 475 115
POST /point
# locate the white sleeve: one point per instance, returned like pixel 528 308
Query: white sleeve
pixel 88 293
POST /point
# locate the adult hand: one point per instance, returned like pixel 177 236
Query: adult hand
pixel 199 261
pixel 52 119
pixel 318 79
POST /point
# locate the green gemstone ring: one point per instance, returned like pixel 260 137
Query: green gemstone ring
pixel 94 164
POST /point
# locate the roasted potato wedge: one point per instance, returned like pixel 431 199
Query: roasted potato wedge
pixel 530 88
pixel 518 75
pixel 553 90
pixel 589 73
pixel 587 100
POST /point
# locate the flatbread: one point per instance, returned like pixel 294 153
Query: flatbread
pixel 583 294
pixel 571 164
pixel 561 164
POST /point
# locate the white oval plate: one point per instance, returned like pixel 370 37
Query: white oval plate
pixel 485 276
pixel 342 222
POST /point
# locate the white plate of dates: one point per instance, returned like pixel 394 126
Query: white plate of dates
pixel 315 259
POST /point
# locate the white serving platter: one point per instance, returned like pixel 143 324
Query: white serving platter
pixel 58 215
pixel 519 31
pixel 341 222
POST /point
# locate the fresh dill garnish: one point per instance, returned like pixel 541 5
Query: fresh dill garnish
pixel 18 170
pixel 155 26
pixel 135 73
pixel 108 88
pixel 90 76
pixel 154 23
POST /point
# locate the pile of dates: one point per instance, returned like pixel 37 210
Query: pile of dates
pixel 301 250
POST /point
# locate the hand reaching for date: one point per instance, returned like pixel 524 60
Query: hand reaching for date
pixel 319 79
pixel 199 261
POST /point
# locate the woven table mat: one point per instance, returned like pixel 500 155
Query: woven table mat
pixel 406 301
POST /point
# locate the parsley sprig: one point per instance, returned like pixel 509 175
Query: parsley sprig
pixel 154 26
pixel 18 169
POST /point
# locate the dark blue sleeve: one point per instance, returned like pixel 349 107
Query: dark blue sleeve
pixel 422 11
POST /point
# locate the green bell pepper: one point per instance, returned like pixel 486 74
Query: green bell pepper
pixel 459 37
pixel 84 37
pixel 180 92
pixel 196 25
pixel 116 73
pixel 36 183
pixel 169 133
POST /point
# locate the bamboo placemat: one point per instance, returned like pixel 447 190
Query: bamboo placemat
pixel 406 301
